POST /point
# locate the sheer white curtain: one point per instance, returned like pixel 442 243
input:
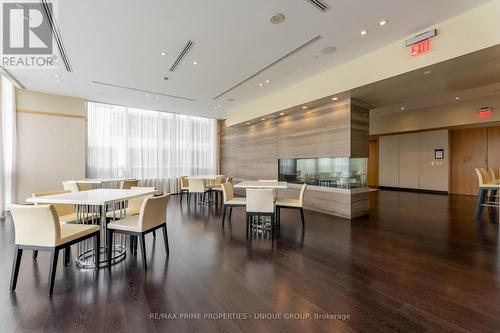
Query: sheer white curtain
pixel 7 145
pixel 156 147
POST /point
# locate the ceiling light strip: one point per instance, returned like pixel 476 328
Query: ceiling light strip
pixel 11 77
pixel 56 34
pixel 184 52
pixel 295 50
pixel 320 4
pixel 143 91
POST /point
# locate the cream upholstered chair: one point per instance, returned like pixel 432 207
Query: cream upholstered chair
pixel 293 204
pixel 66 214
pixel 217 187
pixel 38 228
pixel 134 204
pixel 494 173
pixel 198 188
pixel 153 215
pixel 184 187
pixel 485 186
pixel 260 203
pixel 229 200
pixel 75 186
pixel 128 183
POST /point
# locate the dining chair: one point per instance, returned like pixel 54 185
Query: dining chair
pixel 66 214
pixel 153 215
pixel 197 187
pixel 292 204
pixel 184 187
pixel 487 191
pixel 260 204
pixel 127 184
pixel 217 187
pixel 494 173
pixel 229 200
pixel 75 186
pixel 38 228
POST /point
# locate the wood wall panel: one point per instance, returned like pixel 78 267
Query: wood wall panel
pixel 360 125
pixel 315 134
pixel 494 146
pixel 372 177
pixel 468 151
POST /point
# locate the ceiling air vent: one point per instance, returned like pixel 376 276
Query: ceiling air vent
pixel 184 52
pixel 320 4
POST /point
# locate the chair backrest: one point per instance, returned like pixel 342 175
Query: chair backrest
pixel 227 192
pixel 70 185
pixel 218 181
pixel 229 180
pixel 136 203
pixel 494 173
pixel 61 209
pixel 128 183
pixel 482 176
pixel 36 225
pixel 184 181
pixel 301 195
pixel 260 200
pixel 196 185
pixel 153 212
pixel 75 186
pixel 268 180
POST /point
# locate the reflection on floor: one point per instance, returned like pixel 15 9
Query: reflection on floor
pixel 419 262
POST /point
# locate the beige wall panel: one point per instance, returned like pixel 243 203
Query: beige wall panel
pixel 409 160
pixel 434 173
pixel 388 152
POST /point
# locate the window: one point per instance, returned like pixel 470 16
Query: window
pixel 156 147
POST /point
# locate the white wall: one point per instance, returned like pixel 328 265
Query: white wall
pixel 51 133
pixel 407 161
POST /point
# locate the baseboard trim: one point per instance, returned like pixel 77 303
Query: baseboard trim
pixel 404 189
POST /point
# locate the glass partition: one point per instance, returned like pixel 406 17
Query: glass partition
pixel 338 172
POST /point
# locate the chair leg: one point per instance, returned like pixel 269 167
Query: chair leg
pixel 67 255
pixel 480 201
pixel 165 239
pixel 180 200
pixel 224 215
pixel 302 217
pixel 143 251
pixel 35 254
pixel 230 212
pixel 109 245
pixel 53 269
pixel 154 233
pixel 97 250
pixel 18 253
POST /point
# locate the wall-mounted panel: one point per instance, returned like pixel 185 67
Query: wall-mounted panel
pixel 409 160
pixel 388 152
pixel 434 173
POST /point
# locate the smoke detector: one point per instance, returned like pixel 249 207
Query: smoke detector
pixel 277 18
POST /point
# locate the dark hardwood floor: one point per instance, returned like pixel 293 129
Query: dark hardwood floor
pixel 418 263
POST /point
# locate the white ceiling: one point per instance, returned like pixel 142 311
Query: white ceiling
pixel 120 41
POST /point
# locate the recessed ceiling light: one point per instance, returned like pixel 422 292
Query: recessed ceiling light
pixel 59 79
pixel 304 107
pixel 427 72
pixel 335 99
pixel 263 119
pixel 157 97
pixel 457 98
pixel 248 123
pixel 163 53
pixel 383 22
pixel 260 84
pixel 277 18
pixel 282 114
pixel 218 105
pixel 56 76
pixel 363 32
pixel 402 108
pixel 147 95
pixel 195 63
pixel 267 81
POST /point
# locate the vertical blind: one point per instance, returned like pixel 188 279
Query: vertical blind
pixel 155 147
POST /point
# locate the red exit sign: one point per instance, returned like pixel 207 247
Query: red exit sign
pixel 420 47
